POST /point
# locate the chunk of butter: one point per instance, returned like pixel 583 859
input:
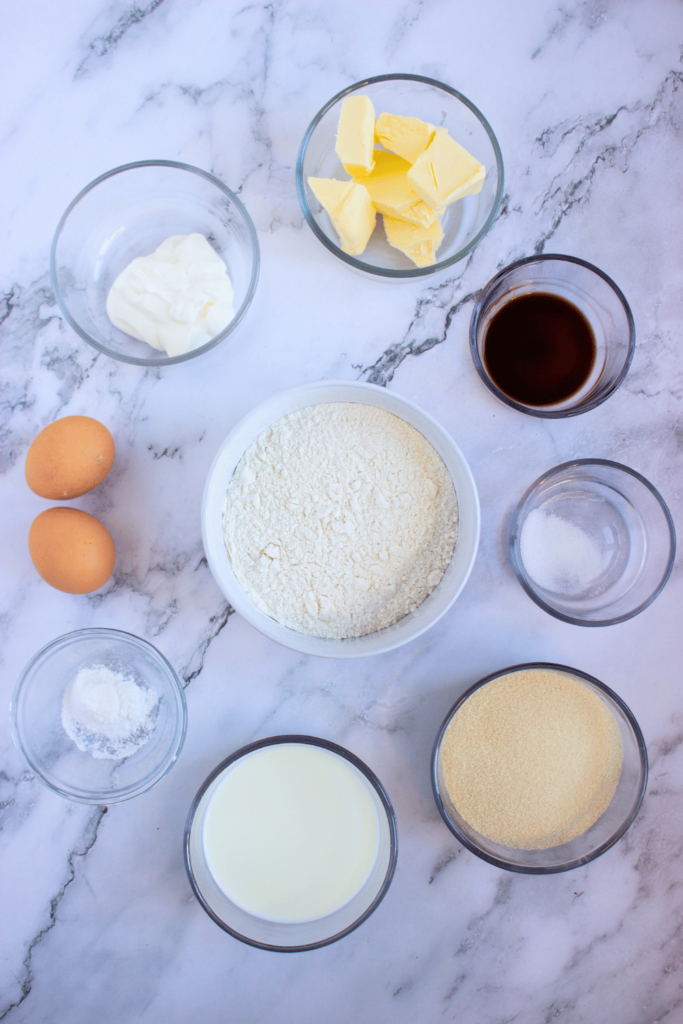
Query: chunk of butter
pixel 392 193
pixel 445 172
pixel 406 136
pixel 351 211
pixel 177 298
pixel 356 135
pixel 418 243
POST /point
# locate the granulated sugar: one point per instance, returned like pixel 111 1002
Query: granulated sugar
pixel 340 519
pixel 532 759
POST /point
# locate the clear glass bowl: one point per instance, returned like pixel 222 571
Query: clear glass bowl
pixel 627 525
pixel 36 709
pixel 127 213
pixel 435 604
pixel 304 935
pixel 465 222
pixel 595 295
pixel 603 834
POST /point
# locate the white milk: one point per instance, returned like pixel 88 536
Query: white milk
pixel 291 832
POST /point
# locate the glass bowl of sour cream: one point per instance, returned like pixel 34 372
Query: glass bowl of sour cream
pixel 180 250
pixel 99 715
pixel 290 843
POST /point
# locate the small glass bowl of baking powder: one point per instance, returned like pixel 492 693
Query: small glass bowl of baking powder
pixel 496 756
pixel 127 213
pixel 99 715
pixel 592 542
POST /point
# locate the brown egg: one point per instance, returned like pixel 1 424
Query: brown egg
pixel 71 550
pixel 69 457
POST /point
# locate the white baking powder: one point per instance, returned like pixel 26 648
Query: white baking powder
pixel 108 714
pixel 340 519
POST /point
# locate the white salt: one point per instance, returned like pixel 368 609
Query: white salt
pixel 557 554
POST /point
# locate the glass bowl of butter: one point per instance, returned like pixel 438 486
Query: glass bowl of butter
pixel 399 176
pixel 155 262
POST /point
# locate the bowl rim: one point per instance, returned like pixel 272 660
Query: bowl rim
pixel 540 411
pixel 498 862
pixel 67 640
pixel 388 272
pixel 334 748
pixel 164 360
pixel 517 564
pixel 239 601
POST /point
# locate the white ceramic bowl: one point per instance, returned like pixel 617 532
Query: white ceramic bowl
pixel 321 392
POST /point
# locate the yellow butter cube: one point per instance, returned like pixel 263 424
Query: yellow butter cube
pixel 406 136
pixel 356 135
pixel 445 172
pixel 351 211
pixel 419 244
pixel 392 193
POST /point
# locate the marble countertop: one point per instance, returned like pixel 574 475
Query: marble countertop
pixel 99 922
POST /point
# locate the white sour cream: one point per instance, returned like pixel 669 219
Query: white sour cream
pixel 291 832
pixel 177 298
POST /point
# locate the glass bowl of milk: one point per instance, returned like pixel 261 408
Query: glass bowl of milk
pixel 183 230
pixel 290 843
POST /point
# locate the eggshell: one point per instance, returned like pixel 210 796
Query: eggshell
pixel 71 550
pixel 69 457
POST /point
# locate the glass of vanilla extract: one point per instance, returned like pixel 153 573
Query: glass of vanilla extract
pixel 552 336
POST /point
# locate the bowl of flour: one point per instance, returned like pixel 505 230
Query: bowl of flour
pixel 340 519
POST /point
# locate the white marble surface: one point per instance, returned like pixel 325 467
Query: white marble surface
pixel 98 921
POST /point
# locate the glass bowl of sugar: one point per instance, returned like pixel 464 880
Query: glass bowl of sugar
pixel 539 768
pixel 592 542
pixel 99 715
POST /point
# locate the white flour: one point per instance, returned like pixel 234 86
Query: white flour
pixel 340 519
pixel 108 714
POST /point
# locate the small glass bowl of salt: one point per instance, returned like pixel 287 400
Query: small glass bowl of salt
pixel 99 715
pixel 592 542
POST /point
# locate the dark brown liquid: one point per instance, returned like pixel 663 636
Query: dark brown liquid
pixel 539 349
